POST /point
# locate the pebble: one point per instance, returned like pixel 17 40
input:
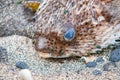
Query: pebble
pixel 78 71
pixel 115 55
pixel 22 65
pixel 91 64
pixel 97 72
pixel 107 65
pixel 25 74
pixel 99 59
pixel 3 55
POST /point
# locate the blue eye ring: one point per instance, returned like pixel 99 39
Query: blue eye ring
pixel 69 35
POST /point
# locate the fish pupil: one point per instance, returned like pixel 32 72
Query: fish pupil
pixel 70 34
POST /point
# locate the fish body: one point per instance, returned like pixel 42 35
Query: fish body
pixel 74 28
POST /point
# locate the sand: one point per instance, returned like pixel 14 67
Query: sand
pixel 15 38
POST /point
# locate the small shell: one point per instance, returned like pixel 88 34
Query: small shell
pixel 25 74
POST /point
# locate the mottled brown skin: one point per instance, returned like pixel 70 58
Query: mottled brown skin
pixel 86 32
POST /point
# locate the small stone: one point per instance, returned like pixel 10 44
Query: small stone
pixel 115 55
pixel 25 74
pixel 99 59
pixel 78 71
pixel 97 72
pixel 3 55
pixel 22 65
pixel 107 65
pixel 91 64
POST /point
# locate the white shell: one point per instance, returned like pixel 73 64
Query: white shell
pixel 25 74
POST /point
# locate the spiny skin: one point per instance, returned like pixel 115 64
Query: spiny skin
pixel 89 19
